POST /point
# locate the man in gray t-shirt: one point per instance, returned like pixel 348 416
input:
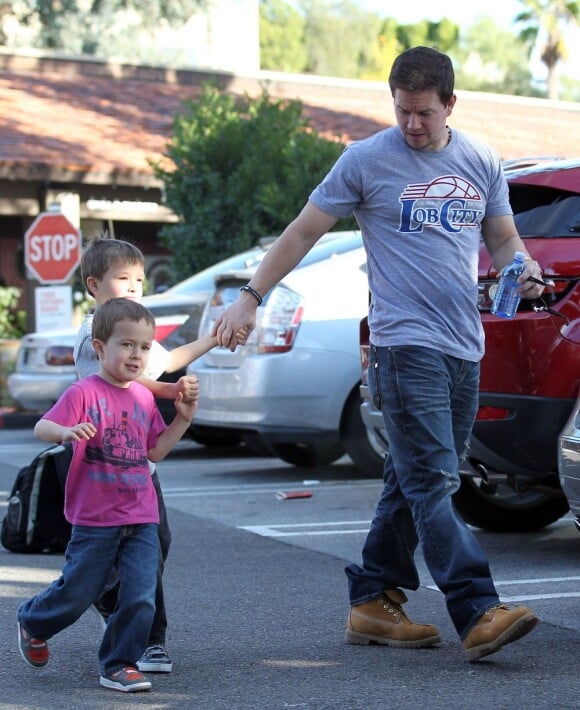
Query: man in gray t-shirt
pixel 424 196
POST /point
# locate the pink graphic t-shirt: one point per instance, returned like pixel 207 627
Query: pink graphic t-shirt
pixel 109 482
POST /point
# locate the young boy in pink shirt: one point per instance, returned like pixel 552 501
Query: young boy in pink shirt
pixel 115 268
pixel 116 429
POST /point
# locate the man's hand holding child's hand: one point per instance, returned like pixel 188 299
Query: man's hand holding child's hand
pixel 242 335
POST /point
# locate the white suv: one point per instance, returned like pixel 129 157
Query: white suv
pixel 293 389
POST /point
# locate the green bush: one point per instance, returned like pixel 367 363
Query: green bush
pixel 243 169
pixel 12 321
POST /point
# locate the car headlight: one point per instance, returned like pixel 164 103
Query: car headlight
pixel 557 289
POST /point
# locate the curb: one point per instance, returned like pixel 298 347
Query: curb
pixel 10 418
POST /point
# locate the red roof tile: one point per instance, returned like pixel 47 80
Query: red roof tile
pixel 98 122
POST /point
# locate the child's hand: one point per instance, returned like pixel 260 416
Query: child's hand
pixel 185 410
pixel 78 432
pixel 242 335
pixel 188 386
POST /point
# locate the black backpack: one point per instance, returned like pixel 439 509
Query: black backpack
pixel 35 519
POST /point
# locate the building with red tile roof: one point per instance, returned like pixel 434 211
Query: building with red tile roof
pixel 92 128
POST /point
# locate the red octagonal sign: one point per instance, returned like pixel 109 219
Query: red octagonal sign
pixel 52 248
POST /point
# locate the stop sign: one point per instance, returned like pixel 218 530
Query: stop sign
pixel 52 248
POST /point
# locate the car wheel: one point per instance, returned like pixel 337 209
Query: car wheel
pixel 498 508
pixel 360 443
pixel 307 454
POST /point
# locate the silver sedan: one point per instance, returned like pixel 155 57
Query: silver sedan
pixel 569 461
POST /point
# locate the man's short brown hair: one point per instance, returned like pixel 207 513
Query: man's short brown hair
pixel 422 69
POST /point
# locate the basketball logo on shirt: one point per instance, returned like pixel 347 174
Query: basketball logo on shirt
pixel 448 201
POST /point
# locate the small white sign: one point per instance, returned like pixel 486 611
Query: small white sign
pixel 53 307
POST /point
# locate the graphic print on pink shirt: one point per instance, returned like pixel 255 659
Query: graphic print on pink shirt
pixel 109 481
pixel 118 447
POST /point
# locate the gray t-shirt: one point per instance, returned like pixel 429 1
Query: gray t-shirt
pixel 87 363
pixel 420 215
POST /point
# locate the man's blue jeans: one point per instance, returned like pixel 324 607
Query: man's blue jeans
pixel 428 400
pixel 89 557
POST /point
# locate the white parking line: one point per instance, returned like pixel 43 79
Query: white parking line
pixel 532 597
pixel 541 580
pixel 350 527
pixel 207 491
pixel 269 488
pixel 280 530
pixel 307 529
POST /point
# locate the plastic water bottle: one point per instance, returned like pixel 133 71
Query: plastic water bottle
pixel 507 297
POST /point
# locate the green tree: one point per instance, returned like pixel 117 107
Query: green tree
pixel 339 37
pixel 569 89
pixel 241 169
pixel 382 54
pixel 544 23
pixel 493 60
pixel 92 27
pixel 443 34
pixel 12 320
pixel 281 37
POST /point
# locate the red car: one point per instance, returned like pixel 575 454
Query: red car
pixel 530 375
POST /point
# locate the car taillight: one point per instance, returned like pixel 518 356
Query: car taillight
pixel 492 413
pixel 364 338
pixel 279 322
pixel 58 356
pixel 162 331
pixel 557 289
pixel 165 325
pixel 485 293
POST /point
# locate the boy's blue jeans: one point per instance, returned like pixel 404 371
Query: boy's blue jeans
pixel 89 556
pixel 429 401
pixel 108 599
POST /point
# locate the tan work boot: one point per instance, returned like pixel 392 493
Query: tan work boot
pixel 495 628
pixel 383 621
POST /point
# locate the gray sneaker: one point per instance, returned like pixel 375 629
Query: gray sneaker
pixel 34 651
pixel 127 680
pixel 155 660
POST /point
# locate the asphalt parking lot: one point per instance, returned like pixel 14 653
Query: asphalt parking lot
pixel 257 603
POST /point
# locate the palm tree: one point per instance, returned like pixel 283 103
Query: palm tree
pixel 545 21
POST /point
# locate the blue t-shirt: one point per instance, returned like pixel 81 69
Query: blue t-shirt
pixel 420 215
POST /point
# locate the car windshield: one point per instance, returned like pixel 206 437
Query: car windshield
pixel 205 280
pixel 329 244
pixel 556 217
